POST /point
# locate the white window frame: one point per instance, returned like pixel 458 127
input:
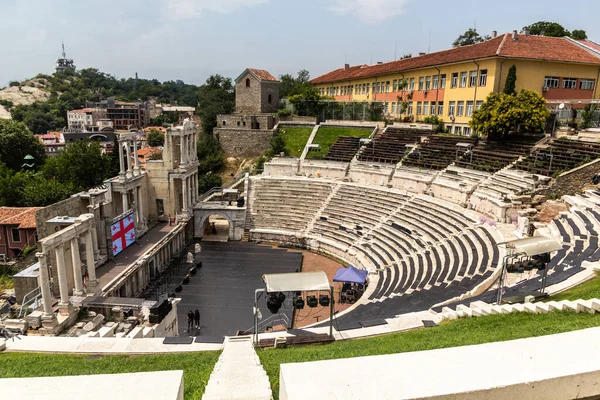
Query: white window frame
pixel 393 108
pixel 460 108
pixel 421 82
pixel 419 108
pixel 463 79
pixel 395 85
pixel 454 81
pixel 569 83
pixel 428 83
pixel 387 87
pixel 443 81
pixel 472 78
pixel 483 77
pixel 469 108
pixel 436 79
pixel 410 108
pixel 588 83
pixel 425 108
pixel 432 108
pixel 440 107
pixel 451 108
pixel 478 104
pixel 551 82
pixel 412 84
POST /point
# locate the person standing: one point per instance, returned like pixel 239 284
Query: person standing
pixel 197 318
pixel 190 318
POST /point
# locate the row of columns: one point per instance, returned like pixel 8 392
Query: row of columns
pixel 139 204
pixel 61 270
pixel 188 148
pixel 126 170
pixel 189 186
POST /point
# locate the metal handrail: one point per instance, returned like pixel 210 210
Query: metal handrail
pixel 31 298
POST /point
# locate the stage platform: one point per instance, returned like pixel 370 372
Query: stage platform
pixel 223 290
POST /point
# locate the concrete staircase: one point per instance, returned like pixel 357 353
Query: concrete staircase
pixel 480 308
pixel 238 374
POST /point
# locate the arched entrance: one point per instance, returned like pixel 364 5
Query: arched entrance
pixel 216 228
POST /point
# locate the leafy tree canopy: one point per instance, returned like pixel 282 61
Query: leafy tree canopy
pixel 16 141
pixel 216 96
pixel 501 113
pixel 469 37
pixel 291 85
pixel 155 138
pixel 545 28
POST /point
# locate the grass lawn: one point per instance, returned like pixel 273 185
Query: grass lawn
pixel 461 332
pixel 197 367
pixel 585 291
pixel 295 139
pixel 327 135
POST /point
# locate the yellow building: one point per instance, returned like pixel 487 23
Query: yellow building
pixel 453 83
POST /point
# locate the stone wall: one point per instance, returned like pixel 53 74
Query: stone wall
pixel 244 121
pixel 255 98
pixel 245 143
pixel 572 181
pixel 297 118
pixel 72 207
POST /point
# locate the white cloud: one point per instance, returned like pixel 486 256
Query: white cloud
pixel 182 9
pixel 369 11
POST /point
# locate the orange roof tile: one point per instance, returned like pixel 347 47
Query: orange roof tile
pixel 262 74
pixel 23 217
pixel 527 47
pixel 148 151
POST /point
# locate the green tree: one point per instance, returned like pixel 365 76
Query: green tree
pixel 81 164
pixel 155 138
pixel 40 192
pixel 216 96
pixel 579 34
pixel 210 156
pixel 511 81
pixel 16 141
pixel 545 28
pixel 208 181
pixel 291 86
pixel 501 113
pixel 586 116
pixel 277 145
pixel 469 37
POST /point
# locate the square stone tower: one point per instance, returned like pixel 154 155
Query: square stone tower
pixel 256 92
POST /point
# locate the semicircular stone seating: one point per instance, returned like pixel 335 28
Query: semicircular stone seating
pixel 420 251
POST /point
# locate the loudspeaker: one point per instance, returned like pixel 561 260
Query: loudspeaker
pixel 312 301
pixel 324 300
pixel 298 303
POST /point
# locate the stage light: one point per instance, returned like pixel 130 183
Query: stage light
pixel 274 301
pixel 186 280
pixel 199 265
pixel 312 301
pixel 324 300
pixel 178 289
pixel 193 271
pixel 298 303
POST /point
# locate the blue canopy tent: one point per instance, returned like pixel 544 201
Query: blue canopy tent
pixel 351 274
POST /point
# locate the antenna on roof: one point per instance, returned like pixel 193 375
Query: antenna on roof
pixel 64 55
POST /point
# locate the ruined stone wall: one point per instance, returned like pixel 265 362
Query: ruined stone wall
pixel 72 207
pixel 269 91
pixel 241 121
pixel 572 181
pixel 244 143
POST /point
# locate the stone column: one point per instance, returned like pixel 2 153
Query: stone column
pixel 136 214
pixel 121 161
pixel 95 242
pixel 45 284
pixel 136 169
pixel 62 275
pixel 128 150
pixel 141 206
pixel 184 205
pixel 182 144
pixel 125 201
pixel 89 259
pixel 76 267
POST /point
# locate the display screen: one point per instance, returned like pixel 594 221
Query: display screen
pixel 122 233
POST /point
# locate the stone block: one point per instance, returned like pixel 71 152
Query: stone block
pixel 530 308
pixel 35 319
pixel 94 323
pixel 106 331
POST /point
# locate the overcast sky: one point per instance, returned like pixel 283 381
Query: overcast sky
pixel 192 39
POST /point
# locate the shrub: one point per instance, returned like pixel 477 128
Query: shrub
pixel 284 112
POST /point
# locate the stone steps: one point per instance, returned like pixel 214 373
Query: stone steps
pixel 238 374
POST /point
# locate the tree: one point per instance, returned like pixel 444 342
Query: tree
pixel 579 34
pixel 511 81
pixel 501 113
pixel 291 86
pixel 277 145
pixel 210 156
pixel 81 163
pixel 586 116
pixel 469 37
pixel 545 28
pixel 155 138
pixel 215 97
pixel 16 141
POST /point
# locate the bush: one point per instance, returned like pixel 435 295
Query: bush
pixel 260 162
pixel 278 145
pixel 14 83
pixel 208 181
pixel 284 112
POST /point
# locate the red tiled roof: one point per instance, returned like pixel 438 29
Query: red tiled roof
pixel 528 47
pixel 23 217
pixel 262 74
pixel 148 151
pixel 591 44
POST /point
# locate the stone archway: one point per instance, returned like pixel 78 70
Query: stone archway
pixel 236 217
pixel 213 227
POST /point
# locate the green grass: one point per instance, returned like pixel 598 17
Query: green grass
pixel 327 135
pixel 585 291
pixel 462 332
pixel 197 367
pixel 295 139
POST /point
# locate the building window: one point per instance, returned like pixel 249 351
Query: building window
pixel 393 107
pixel 463 79
pixel 433 108
pixel 435 81
pixel 387 87
pixel 472 78
pixel 411 86
pixel 586 84
pixel 483 77
pixel 16 235
pixel 160 207
pixel 454 83
pixel 426 108
pixel 551 82
pixel 223 122
pixel 368 87
pixel 421 83
pixel 458 130
pixel 460 109
pixel 428 83
pixel 478 104
pixel 451 107
pixel 569 83
pixel 469 108
pixel 440 108
pixel 419 106
pixel 443 81
pixel 386 107
pixel 395 85
pixel 269 99
pixel 467 131
pixel 410 108
pixel 247 82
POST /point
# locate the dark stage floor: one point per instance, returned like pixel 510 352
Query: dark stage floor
pixel 223 290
